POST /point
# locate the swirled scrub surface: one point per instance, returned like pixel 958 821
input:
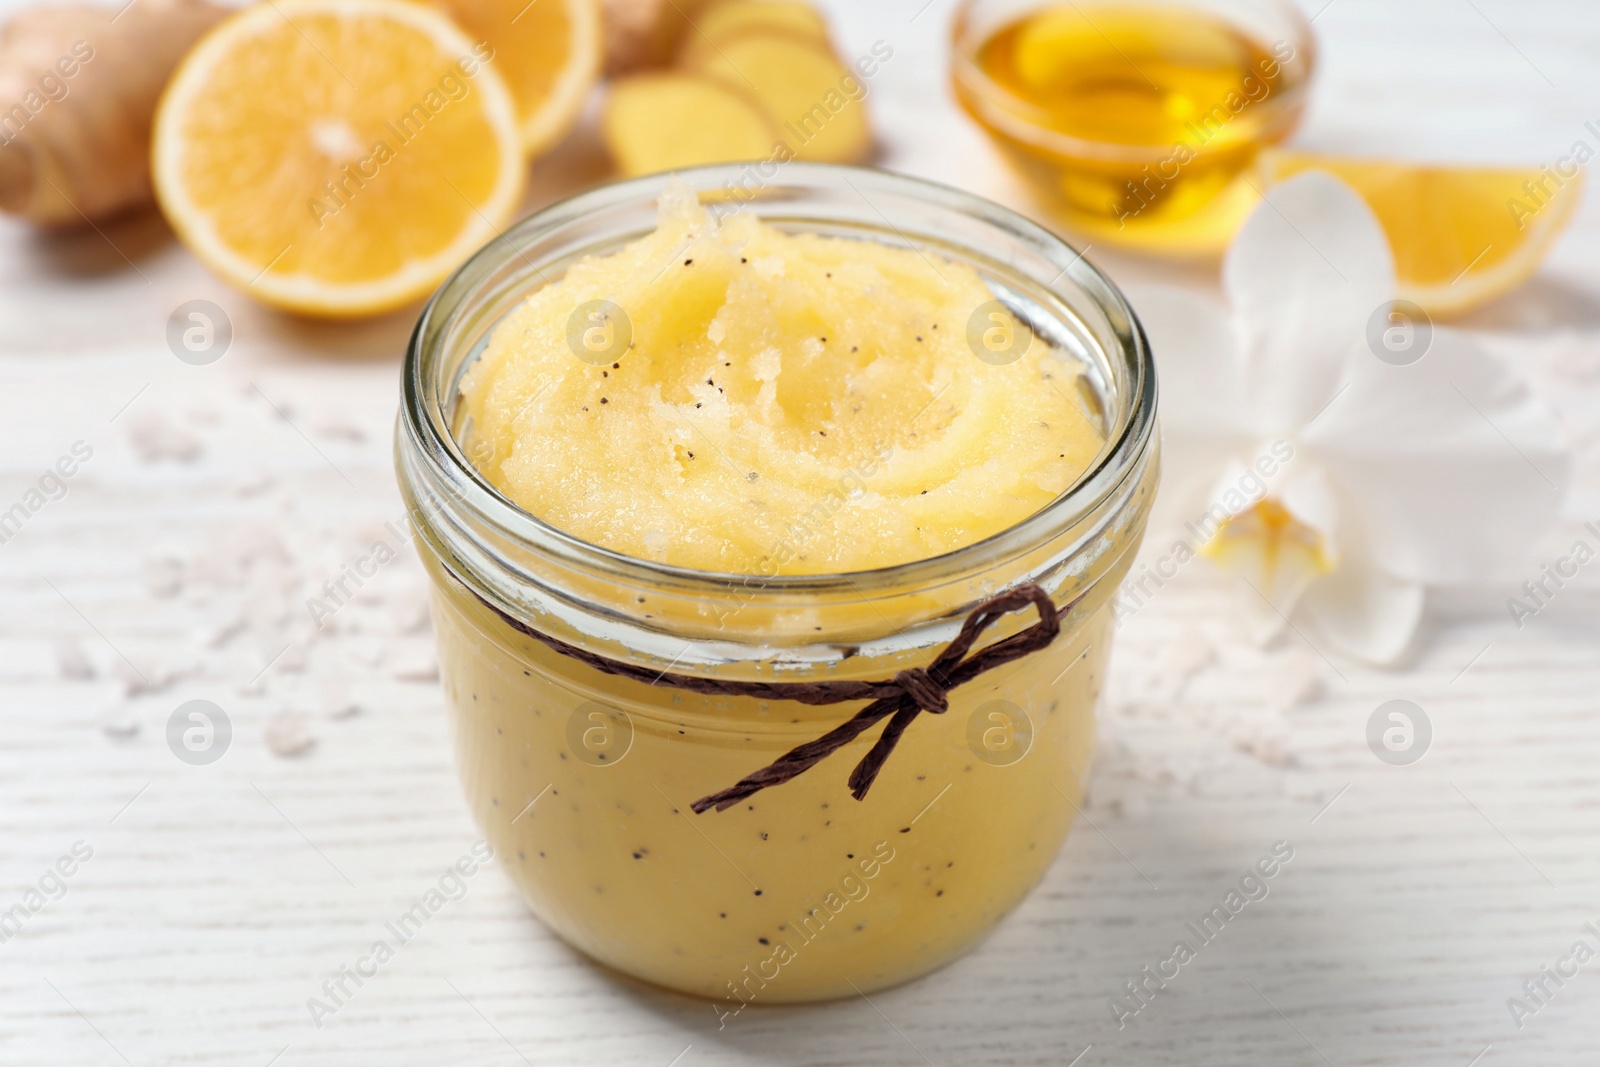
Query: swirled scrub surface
pixel 724 396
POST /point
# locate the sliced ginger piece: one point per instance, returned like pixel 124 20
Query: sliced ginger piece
pixel 725 20
pixel 385 152
pixel 668 121
pixel 548 52
pixel 732 19
pixel 803 89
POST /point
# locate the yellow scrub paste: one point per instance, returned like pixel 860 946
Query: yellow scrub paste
pixel 758 374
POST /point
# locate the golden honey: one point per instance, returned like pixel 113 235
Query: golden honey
pixel 1136 121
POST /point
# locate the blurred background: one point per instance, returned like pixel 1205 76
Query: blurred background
pixel 217 485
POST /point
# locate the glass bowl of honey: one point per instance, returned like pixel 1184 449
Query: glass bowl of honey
pixel 1137 121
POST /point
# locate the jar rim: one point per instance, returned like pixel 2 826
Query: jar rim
pixel 428 446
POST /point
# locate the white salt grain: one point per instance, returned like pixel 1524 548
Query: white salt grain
pixel 72 661
pixel 154 439
pixel 288 735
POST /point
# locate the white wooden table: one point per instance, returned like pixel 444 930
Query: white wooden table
pixel 219 898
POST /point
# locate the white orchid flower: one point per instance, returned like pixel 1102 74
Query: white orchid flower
pixel 1336 483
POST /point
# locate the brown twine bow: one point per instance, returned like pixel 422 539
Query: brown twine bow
pixel 902 699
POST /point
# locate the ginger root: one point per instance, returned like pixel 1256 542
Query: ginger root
pixel 78 89
pixel 640 34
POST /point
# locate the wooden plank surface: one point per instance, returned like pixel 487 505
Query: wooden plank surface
pixel 217 899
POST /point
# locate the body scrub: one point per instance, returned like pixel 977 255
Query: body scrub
pixel 759 374
pixel 642 445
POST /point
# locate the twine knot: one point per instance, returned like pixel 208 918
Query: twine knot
pixel 930 695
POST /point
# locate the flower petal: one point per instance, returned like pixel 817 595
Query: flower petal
pixel 1200 384
pixel 1451 464
pixel 1197 362
pixel 1363 611
pixel 1307 270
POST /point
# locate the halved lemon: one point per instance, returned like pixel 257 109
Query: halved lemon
pixel 548 51
pixel 336 157
pixel 1460 236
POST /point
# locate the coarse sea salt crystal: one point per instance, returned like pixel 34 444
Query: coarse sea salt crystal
pixel 288 735
pixel 155 438
pixel 334 699
pixel 118 721
pixel 412 661
pixel 72 661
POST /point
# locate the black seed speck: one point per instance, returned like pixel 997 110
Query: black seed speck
pixel 763 940
pixel 758 892
pixel 687 262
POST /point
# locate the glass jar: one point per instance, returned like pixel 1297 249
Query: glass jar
pixel 582 781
